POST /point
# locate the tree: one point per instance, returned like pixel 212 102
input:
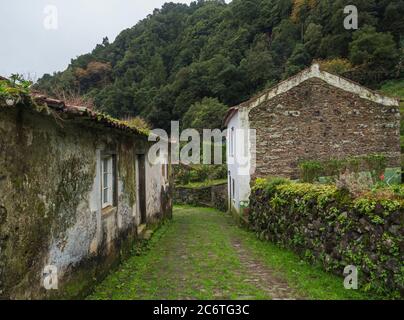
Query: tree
pixel 299 60
pixel 206 114
pixel 393 18
pixel 182 53
pixel 312 39
pixel 373 50
pixel 285 38
pixel 258 66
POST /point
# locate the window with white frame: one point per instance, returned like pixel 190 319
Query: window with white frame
pixel 107 181
pixel 232 141
pixel 233 190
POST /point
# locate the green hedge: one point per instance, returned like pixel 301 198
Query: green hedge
pixel 311 171
pixel 325 225
pixel 184 175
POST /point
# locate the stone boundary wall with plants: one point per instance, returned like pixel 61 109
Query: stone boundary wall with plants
pixel 328 226
pixel 209 196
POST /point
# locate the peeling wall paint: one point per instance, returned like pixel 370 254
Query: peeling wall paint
pixel 50 202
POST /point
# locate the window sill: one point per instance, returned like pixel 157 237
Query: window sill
pixel 108 211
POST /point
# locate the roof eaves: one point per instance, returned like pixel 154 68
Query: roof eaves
pixel 232 111
pixel 86 113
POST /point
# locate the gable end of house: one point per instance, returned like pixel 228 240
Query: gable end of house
pixel 315 72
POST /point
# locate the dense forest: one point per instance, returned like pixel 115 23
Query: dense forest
pixel 191 62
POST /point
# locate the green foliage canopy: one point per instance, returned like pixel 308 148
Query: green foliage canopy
pixel 182 53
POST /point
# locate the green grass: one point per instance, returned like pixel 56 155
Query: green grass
pixel 207 183
pixel 193 257
pixel 394 88
pixel 309 280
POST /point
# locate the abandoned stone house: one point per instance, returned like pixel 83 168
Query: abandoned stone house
pixel 76 190
pixel 314 115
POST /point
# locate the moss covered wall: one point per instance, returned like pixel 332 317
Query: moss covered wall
pixel 211 196
pixel 330 228
pixel 50 206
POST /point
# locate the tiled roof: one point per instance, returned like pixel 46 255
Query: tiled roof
pixel 229 115
pixel 85 113
pixel 74 111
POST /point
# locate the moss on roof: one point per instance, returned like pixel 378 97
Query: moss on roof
pixel 16 91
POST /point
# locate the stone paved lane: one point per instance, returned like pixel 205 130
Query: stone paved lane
pixel 199 255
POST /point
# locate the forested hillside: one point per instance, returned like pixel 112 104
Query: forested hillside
pixel 225 53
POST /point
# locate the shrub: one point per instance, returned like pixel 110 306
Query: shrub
pixel 137 123
pixel 311 171
pixel 15 89
pixel 272 182
pixel 184 175
pixel 337 66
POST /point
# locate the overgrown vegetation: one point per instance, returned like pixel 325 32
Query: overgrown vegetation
pixel 207 114
pixel 14 90
pixel 203 184
pixel 312 170
pixel 137 123
pixel 326 225
pixel 194 257
pixel 182 54
pixel 199 174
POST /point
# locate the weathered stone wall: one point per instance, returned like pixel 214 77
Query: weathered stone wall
pixel 50 206
pixel 220 197
pixel 317 121
pixel 211 196
pixel 326 226
pixel 158 192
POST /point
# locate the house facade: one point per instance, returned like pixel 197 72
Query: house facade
pixel 314 115
pixel 76 191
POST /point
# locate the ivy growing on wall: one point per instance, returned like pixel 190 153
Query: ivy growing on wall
pixel 328 226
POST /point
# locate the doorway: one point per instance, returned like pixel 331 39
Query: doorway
pixel 141 165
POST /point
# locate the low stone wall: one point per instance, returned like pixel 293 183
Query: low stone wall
pixel 211 196
pixel 324 225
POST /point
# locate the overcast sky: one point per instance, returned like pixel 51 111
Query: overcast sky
pixel 30 45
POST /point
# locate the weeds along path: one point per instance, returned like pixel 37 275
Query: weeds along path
pixel 203 254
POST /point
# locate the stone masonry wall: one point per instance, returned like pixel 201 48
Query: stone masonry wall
pixel 330 228
pixel 212 196
pixel 316 121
